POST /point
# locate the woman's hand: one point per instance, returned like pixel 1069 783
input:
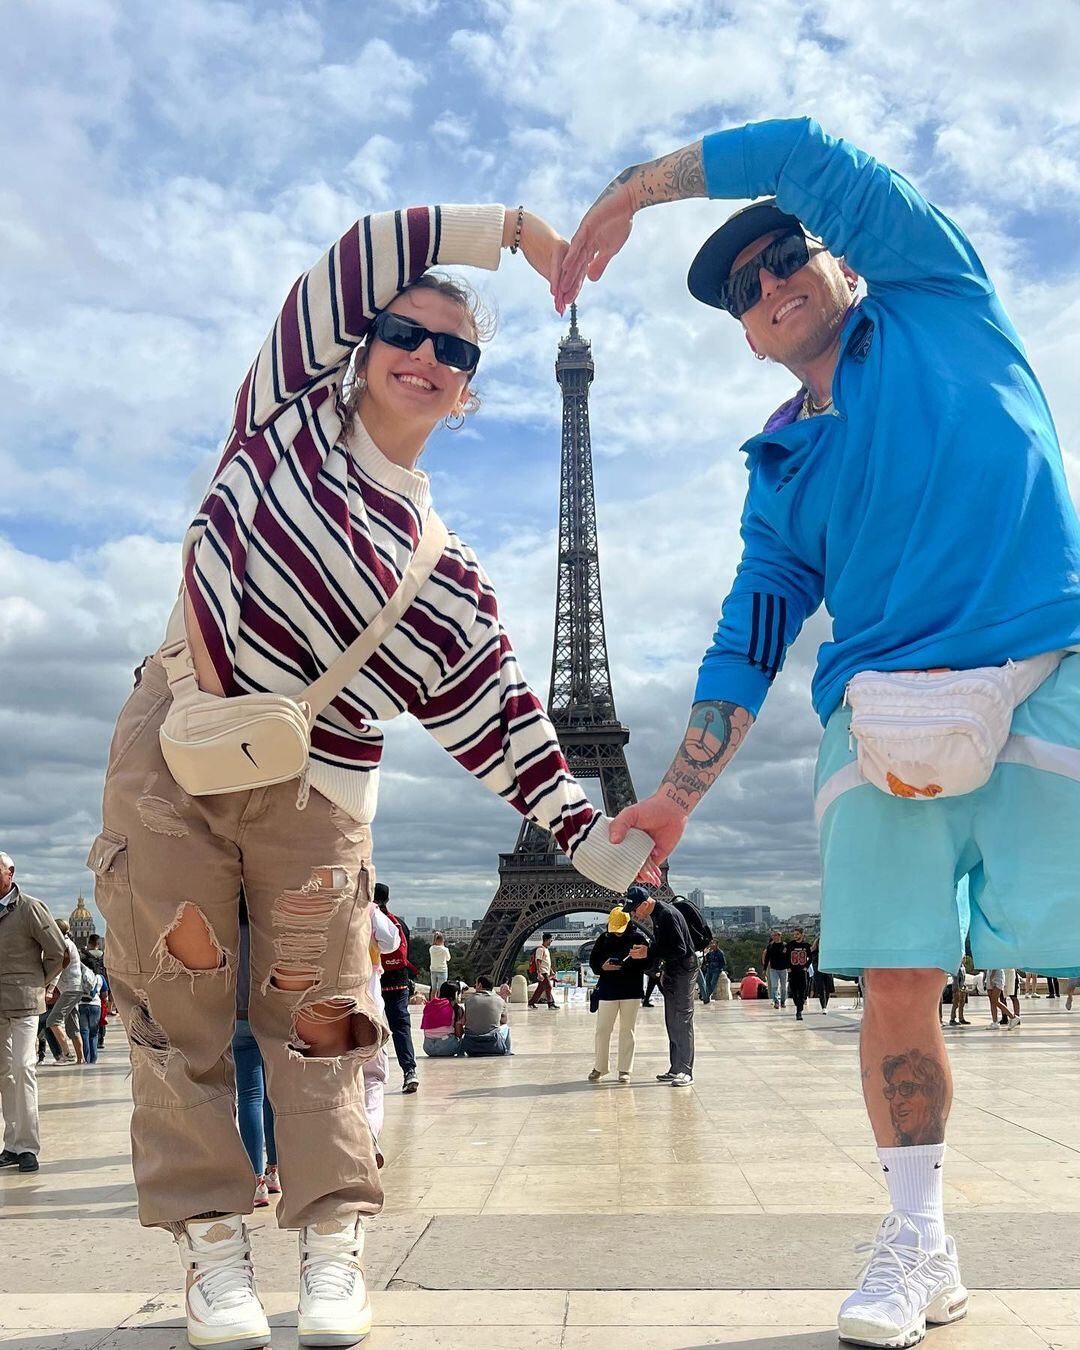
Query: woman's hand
pixel 544 248
pixel 604 229
pixel 610 965
pixel 639 952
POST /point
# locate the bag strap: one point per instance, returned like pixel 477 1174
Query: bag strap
pixel 333 680
pixel 180 669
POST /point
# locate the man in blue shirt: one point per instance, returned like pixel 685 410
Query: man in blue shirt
pixel 914 484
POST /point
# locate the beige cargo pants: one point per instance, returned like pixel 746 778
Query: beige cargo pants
pixel 307 880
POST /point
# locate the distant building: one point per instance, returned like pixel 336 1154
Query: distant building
pixel 739 918
pixel 697 897
pixel 82 923
pixel 423 923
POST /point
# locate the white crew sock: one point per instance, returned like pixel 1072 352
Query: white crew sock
pixel 913 1176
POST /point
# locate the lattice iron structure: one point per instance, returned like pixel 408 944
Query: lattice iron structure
pixel 537 882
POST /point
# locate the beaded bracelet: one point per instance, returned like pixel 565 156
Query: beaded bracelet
pixel 517 231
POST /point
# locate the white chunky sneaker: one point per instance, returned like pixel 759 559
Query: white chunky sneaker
pixel 902 1288
pixel 334 1307
pixel 223 1308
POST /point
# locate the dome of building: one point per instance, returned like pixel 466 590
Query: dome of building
pixel 82 923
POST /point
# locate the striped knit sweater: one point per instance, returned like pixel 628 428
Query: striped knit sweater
pixel 307 529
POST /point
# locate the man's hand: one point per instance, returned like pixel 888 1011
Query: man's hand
pixel 639 952
pixel 606 225
pixel 604 229
pixel 544 248
pixel 658 816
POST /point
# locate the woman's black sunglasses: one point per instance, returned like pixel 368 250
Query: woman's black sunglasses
pixel 450 350
pixel 782 257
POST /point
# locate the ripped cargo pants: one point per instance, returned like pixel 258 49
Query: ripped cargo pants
pixel 169 870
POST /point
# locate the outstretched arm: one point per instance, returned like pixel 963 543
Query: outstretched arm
pixel 606 225
pixel 715 731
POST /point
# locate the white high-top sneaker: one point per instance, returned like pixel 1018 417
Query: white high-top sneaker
pixel 223 1308
pixel 334 1307
pixel 902 1288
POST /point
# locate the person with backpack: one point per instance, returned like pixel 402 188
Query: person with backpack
pixel 89 1011
pixel 541 970
pixel 673 948
pixel 395 991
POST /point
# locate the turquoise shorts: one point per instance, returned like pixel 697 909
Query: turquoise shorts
pixel 904 882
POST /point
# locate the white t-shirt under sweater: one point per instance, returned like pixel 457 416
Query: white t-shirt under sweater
pixel 307 528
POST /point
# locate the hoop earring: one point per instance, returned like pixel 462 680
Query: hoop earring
pixel 760 356
pixel 451 425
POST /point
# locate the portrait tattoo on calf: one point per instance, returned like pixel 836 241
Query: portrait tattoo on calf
pixel 916 1090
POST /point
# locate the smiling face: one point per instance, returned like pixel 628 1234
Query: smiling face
pixel 796 320
pixel 412 387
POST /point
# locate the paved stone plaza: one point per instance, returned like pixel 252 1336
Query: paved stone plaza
pixel 525 1208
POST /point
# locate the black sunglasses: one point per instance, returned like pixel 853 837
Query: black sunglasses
pixel 450 350
pixel 782 257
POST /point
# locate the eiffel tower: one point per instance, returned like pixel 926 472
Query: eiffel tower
pixel 537 882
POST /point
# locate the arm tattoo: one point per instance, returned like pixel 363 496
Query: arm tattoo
pixel 670 178
pixel 917 1090
pixel 715 732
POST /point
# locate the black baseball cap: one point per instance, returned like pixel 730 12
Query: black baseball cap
pixel 634 896
pixel 712 266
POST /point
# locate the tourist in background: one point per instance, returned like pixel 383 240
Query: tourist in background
pixel 254 1112
pixel 752 987
pixel 824 984
pixel 443 1022
pixel 959 998
pixel 439 963
pixel 713 965
pixel 1053 986
pixel 1031 984
pixel 799 960
pixel 618 991
pixel 774 962
pixel 387 939
pixel 541 967
pixel 89 1012
pixel 63 1017
pixel 487 1021
pixel 32 952
pixel 396 988
pixel 673 950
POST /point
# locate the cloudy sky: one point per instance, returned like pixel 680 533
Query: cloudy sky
pixel 171 168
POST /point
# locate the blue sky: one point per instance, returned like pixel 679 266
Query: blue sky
pixel 172 168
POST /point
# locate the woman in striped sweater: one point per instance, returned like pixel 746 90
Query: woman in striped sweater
pixel 310 522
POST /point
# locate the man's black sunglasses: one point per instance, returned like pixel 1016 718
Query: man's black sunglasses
pixel 782 257
pixel 450 350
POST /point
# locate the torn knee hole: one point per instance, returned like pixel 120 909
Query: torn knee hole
pixel 331 1027
pixel 191 942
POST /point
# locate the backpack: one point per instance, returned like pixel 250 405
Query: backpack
pixel 89 982
pixel 700 932
pixel 532 966
pixel 398 959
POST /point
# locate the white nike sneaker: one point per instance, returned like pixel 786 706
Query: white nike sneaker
pixel 223 1308
pixel 334 1307
pixel 902 1288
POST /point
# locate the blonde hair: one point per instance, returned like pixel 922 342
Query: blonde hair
pixel 482 318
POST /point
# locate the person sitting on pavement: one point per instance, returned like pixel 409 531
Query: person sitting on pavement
pixel 443 1022
pixel 487 1021
pixel 618 991
pixel 752 986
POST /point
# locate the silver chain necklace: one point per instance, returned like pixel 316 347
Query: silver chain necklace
pixel 811 408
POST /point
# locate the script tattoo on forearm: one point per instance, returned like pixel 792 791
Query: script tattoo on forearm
pixel 917 1091
pixel 670 178
pixel 715 731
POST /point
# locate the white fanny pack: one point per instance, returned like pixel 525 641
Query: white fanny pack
pixel 938 734
pixel 214 745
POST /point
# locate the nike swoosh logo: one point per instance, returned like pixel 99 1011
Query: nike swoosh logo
pixel 244 746
pixel 937 1167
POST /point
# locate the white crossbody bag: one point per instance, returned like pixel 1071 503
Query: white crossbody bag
pixel 938 734
pixel 214 745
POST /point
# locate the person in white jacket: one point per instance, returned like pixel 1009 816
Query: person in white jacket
pixel 385 937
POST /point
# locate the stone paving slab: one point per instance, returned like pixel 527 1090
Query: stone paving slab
pixel 737 1251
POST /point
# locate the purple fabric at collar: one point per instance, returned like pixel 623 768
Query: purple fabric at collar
pixel 786 413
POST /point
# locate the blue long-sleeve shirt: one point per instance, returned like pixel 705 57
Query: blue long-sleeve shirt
pixel 931 511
